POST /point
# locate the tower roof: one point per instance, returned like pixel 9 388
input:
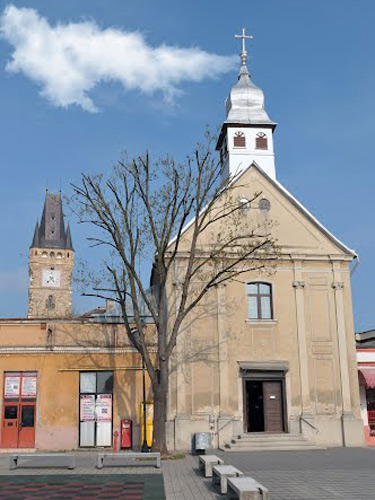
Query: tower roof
pixel 245 103
pixel 51 232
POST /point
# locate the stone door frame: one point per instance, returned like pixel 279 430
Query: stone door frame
pixel 263 372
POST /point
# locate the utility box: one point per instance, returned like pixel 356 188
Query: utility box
pixel 202 441
pixel 126 434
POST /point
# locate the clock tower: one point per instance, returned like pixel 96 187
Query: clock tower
pixel 51 262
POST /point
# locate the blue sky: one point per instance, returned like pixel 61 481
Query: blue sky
pixel 314 61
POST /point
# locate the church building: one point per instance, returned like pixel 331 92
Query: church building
pixel 274 363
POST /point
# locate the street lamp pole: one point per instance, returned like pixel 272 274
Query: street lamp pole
pixel 144 447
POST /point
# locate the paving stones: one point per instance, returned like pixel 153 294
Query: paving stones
pixel 83 487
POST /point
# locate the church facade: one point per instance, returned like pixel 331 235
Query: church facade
pixel 274 361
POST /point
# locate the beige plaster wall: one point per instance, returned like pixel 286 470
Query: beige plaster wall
pixel 312 331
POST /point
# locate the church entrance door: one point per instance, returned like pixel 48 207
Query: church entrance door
pixel 264 405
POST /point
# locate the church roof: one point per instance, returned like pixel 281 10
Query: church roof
pixel 51 232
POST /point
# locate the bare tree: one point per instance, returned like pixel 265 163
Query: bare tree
pixel 161 212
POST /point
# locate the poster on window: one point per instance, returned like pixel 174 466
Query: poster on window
pixel 12 385
pixel 104 408
pixel 28 385
pixel 87 404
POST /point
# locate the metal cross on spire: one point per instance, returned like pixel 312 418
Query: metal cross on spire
pixel 243 53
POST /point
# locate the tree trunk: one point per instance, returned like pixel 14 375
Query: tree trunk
pixel 160 390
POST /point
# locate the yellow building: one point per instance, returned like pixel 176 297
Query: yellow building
pixel 67 383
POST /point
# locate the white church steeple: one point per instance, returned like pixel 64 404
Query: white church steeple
pixel 247 134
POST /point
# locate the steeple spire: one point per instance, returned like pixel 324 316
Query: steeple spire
pixel 51 232
pixel 246 135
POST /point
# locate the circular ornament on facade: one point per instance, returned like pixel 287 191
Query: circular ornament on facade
pixel 264 204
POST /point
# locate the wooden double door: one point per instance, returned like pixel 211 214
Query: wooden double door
pixel 264 406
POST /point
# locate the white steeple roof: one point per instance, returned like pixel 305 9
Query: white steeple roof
pixel 245 104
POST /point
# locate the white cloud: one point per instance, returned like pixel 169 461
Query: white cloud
pixel 68 60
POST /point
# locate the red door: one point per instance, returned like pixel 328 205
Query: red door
pixel 26 427
pixel 9 431
pixel 18 426
pixel 19 400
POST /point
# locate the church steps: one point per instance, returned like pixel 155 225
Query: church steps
pixel 269 442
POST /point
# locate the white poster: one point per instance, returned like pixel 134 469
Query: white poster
pixel 87 407
pixel 12 385
pixel 28 385
pixel 104 408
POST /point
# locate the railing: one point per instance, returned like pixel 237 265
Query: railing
pixel 310 424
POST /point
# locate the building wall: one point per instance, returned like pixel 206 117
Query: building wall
pixel 74 348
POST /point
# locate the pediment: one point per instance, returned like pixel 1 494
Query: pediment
pixel 296 229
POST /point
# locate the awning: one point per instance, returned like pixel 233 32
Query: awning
pixel 368 373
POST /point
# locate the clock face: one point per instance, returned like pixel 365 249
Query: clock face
pixel 51 278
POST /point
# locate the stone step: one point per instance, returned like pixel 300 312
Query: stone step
pixel 270 444
pixel 271 448
pixel 269 437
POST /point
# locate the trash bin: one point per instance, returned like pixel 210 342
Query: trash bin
pixel 202 441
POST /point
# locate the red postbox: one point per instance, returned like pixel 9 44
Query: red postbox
pixel 126 433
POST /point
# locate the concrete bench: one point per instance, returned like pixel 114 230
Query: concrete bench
pixel 220 474
pixel 246 488
pixel 206 462
pixel 122 459
pixel 38 460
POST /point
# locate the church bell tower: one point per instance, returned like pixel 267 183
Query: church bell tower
pixel 51 261
pixel 246 136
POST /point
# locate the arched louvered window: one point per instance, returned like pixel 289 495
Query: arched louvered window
pixel 239 140
pixel 261 141
pixel 260 300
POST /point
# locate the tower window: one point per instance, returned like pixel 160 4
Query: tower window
pixel 44 254
pixel 239 140
pixel 50 303
pixel 59 255
pixel 261 141
pixel 52 254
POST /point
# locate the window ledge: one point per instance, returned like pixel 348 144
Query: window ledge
pixel 261 321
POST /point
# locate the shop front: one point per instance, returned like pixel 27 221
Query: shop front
pixel 96 412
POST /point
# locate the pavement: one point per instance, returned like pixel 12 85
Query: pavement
pixel 333 474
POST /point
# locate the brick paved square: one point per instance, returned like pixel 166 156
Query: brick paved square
pixel 82 487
